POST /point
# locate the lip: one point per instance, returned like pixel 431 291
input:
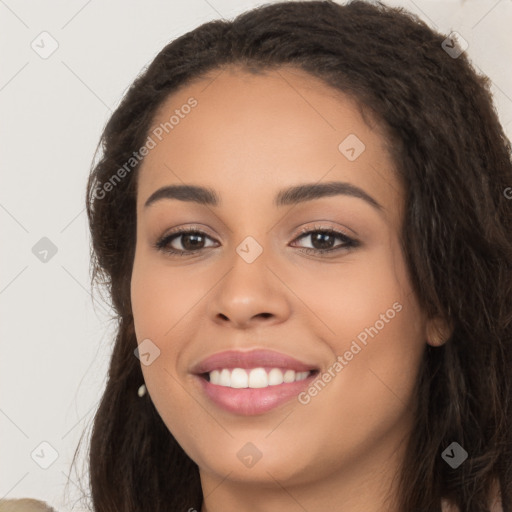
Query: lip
pixel 253 359
pixel 252 401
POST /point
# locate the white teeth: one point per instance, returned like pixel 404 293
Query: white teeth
pixel 289 376
pixel 255 378
pixel 215 377
pixel 225 378
pixel 275 377
pixel 239 378
pixel 302 375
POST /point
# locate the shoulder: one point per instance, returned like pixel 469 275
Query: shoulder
pixel 24 505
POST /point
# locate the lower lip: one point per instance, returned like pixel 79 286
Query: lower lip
pixel 252 401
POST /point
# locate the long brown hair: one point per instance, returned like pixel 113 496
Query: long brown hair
pixel 453 158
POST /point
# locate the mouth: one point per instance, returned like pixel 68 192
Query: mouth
pixel 252 382
pixel 255 378
pixel 254 392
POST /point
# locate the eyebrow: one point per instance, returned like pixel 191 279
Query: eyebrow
pixel 289 196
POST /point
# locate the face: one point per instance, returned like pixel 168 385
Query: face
pixel 252 277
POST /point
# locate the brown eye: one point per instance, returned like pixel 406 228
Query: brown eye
pixel 191 241
pixel 323 240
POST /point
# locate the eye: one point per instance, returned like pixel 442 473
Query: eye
pixel 323 239
pixel 193 241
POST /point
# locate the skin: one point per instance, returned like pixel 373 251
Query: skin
pixel 248 137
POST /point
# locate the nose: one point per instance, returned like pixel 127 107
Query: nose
pixel 249 294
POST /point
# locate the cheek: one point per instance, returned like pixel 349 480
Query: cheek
pixel 367 394
pixel 373 388
pixel 374 323
pixel 365 294
pixel 162 297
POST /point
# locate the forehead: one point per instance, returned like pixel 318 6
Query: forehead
pixel 251 134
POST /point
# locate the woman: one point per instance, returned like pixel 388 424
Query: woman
pixel 367 370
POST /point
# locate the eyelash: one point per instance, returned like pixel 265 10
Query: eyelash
pixel 349 243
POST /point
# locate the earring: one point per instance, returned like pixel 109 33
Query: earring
pixel 438 332
pixel 142 390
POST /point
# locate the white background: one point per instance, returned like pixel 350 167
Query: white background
pixel 55 345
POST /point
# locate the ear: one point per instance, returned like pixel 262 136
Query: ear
pixel 439 331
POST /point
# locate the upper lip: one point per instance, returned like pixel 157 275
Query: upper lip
pixel 252 359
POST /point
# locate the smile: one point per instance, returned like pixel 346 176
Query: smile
pixel 258 391
pixel 254 378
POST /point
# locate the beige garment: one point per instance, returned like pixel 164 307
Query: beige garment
pixel 24 505
pixel 30 505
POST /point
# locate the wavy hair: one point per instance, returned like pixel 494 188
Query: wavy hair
pixel 454 161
